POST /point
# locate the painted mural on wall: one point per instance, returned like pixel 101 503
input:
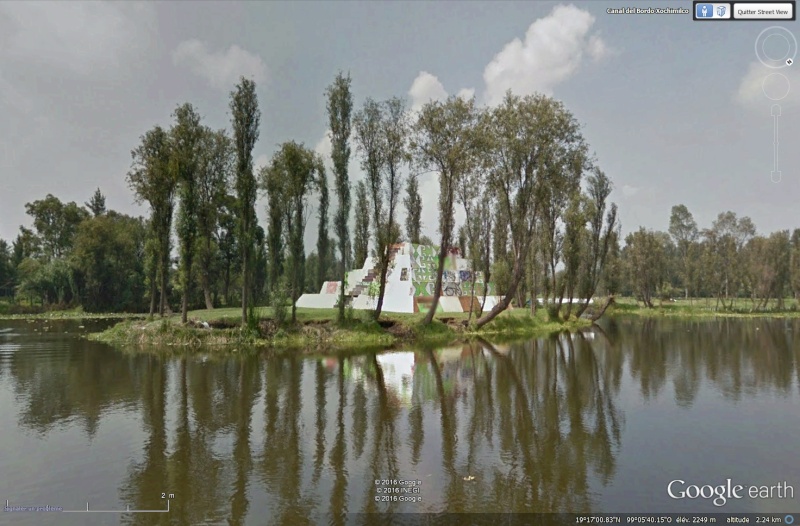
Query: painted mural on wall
pixel 455 281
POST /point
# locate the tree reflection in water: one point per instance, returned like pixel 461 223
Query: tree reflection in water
pixel 526 427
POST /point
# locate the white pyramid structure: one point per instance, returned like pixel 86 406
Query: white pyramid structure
pixel 410 283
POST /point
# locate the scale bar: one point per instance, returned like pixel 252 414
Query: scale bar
pixel 126 510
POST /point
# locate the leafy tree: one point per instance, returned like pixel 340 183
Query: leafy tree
pixel 293 172
pixel 55 223
pixel 246 118
pixel 481 248
pixel 468 194
pixel 274 185
pixel 724 243
pixel 312 273
pixel 260 266
pixel 394 137
pixel 413 206
pixel 47 281
pixel 644 256
pixel 6 269
pixel 599 234
pixel 213 176
pixel 26 245
pixel 227 243
pixel 29 280
pixel 445 141
pixel 613 270
pixel 97 204
pixel 187 137
pixel 767 268
pixel 361 233
pixel 151 267
pixel 794 265
pixel 683 229
pixel 340 107
pixel 153 182
pixel 539 157
pixel 381 134
pixel 574 222
pixel 108 258
pixel 320 274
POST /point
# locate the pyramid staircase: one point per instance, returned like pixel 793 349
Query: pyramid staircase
pixel 373 274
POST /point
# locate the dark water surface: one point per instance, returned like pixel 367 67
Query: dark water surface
pixel 600 422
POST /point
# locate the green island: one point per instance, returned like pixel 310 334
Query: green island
pixel 317 330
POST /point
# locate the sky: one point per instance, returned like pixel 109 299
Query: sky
pixel 675 110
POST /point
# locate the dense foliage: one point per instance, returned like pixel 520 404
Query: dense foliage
pixel 518 193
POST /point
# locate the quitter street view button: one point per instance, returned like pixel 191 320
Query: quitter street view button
pixel 763 11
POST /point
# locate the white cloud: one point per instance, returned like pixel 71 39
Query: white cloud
pixel 551 52
pixel 597 48
pixel 760 81
pixel 222 69
pixel 426 88
pixel 324 147
pixel 80 36
pixel 466 93
pixel 629 191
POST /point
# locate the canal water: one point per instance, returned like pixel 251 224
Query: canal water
pixel 599 421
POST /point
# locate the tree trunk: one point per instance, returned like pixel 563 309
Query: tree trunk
pixel 184 308
pixel 245 286
pixel 382 289
pixel 164 277
pixel 534 285
pixel 599 315
pixel 226 286
pixel 153 292
pixel 187 287
pixel 506 301
pixel 294 298
pixel 206 271
pixel 471 297
pixel 571 294
pixel 207 295
pixel 343 251
pixel 437 290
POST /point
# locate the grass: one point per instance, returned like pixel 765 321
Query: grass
pixel 69 314
pixel 316 330
pixel 702 308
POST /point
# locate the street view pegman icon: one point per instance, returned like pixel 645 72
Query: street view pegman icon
pixel 705 11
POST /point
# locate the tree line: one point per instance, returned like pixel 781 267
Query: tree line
pixel 724 262
pixel 537 220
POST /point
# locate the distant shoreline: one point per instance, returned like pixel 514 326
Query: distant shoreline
pixel 317 330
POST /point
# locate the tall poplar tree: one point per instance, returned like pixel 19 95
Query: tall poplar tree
pixel 245 120
pixel 153 182
pixel 340 108
pixel 186 135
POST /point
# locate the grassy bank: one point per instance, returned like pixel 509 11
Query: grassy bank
pixel 317 329
pixel 702 308
pixel 71 314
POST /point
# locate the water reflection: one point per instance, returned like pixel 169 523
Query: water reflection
pixel 532 427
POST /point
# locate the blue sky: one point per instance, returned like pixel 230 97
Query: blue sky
pixel 674 109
